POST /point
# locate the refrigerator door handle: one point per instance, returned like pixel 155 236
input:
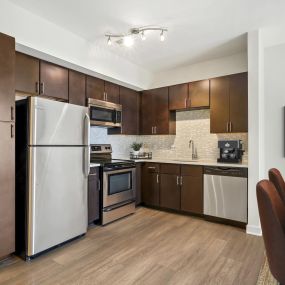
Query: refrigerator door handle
pixel 87 147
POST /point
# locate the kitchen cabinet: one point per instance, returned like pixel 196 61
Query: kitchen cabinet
pixel 76 86
pixel 138 183
pixel 194 95
pixel 130 101
pixel 7 145
pixel 102 90
pixel 170 186
pixel 229 104
pixel 192 189
pixel 7 78
pixel 178 97
pixel 53 81
pixel 93 195
pixel 199 94
pixel 155 115
pixel 7 189
pixel 150 184
pixel 27 74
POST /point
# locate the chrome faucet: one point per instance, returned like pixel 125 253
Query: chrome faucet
pixel 194 150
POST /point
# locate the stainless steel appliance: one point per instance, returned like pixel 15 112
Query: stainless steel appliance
pixel 52 167
pixel 230 151
pixel 105 114
pixel 118 183
pixel 225 193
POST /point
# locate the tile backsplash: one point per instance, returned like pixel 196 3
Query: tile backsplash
pixel 193 125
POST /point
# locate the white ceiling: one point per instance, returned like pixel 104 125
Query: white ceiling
pixel 198 29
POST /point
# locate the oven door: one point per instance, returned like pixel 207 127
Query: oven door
pixel 118 186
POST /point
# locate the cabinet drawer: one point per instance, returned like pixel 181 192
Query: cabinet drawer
pixel 191 170
pixel 152 167
pixel 169 168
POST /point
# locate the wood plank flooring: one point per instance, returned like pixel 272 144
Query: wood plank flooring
pixel 149 247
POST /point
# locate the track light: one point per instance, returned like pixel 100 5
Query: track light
pixel 109 42
pixel 143 36
pixel 162 37
pixel 128 38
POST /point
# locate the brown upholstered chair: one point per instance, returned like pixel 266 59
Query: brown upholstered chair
pixel 276 178
pixel 272 218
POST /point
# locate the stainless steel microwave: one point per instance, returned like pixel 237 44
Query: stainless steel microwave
pixel 104 114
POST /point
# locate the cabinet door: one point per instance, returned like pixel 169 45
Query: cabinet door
pixel 199 94
pixel 93 195
pixel 138 183
pixel 160 112
pixel 150 184
pixel 238 103
pixel 220 105
pixel 54 80
pixel 27 75
pixel 7 78
pixel 95 88
pixel 7 189
pixel 146 113
pixel 192 189
pixel 178 97
pixel 130 101
pixel 112 91
pixel 170 191
pixel 77 88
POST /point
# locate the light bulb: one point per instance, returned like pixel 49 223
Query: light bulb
pixel 143 36
pixel 162 37
pixel 128 41
pixel 109 42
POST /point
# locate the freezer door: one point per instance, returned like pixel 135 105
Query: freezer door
pixel 57 123
pixel 57 197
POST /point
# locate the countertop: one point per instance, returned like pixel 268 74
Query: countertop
pixel 188 162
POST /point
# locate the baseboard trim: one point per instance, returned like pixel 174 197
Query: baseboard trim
pixel 253 230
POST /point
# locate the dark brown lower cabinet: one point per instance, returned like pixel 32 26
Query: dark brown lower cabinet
pixel 93 195
pixel 173 186
pixel 7 189
pixel 169 191
pixel 150 184
pixel 192 189
pixel 138 183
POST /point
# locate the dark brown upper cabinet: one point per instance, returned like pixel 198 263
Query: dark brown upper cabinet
pixel 130 100
pixel 112 92
pixel 76 86
pixel 155 115
pixel 178 97
pixel 102 90
pixel 229 107
pixel 27 74
pixel 7 78
pixel 194 95
pixel 95 88
pixel 199 94
pixel 53 81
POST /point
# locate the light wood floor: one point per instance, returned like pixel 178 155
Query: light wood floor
pixel 149 247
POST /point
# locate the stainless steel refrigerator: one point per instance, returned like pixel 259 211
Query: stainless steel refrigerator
pixel 52 167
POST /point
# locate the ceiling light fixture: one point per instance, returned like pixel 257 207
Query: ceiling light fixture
pixel 129 38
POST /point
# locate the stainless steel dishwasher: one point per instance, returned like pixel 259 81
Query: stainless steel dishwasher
pixel 225 193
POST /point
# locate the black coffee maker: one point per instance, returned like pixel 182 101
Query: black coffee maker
pixel 230 151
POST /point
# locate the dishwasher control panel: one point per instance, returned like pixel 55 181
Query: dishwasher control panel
pixel 226 171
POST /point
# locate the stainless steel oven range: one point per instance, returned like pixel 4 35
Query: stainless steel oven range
pixel 118 183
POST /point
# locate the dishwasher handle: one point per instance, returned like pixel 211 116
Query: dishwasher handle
pixel 226 171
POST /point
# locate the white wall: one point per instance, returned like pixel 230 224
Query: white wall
pixel 41 38
pixel 208 69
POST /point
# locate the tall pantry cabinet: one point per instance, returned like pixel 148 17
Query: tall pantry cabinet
pixel 7 145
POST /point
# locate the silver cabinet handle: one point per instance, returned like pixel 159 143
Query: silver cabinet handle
pixel 157 178
pixel 177 180
pixel 155 130
pixel 227 127
pixel 12 130
pixel 151 167
pixel 12 115
pixel 106 96
pixel 185 102
pixel 152 130
pixel 42 88
pixel 37 87
pixel 181 180
pixel 230 126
